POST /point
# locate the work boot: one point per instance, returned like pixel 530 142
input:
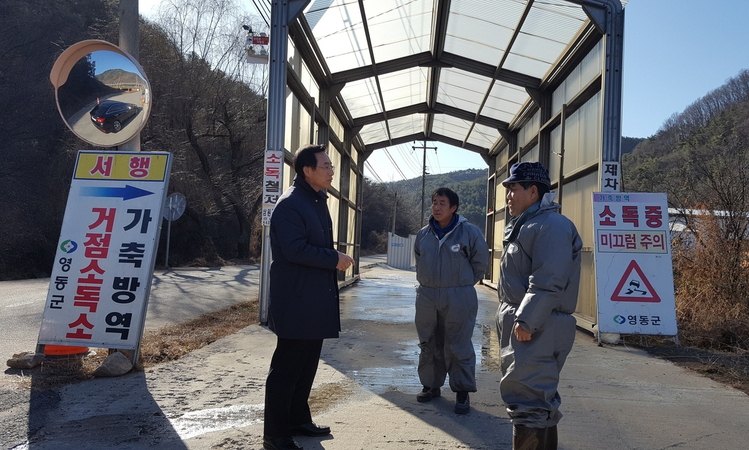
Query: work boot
pixel 427 394
pixel 462 403
pixel 551 438
pixel 524 438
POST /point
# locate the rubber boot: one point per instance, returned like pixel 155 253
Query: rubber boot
pixel 524 438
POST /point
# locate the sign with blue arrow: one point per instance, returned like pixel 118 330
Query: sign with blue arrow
pixel 125 193
pixel 101 277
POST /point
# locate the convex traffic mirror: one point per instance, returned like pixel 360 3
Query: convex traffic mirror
pixel 102 93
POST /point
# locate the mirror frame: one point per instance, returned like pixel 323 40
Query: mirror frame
pixel 60 72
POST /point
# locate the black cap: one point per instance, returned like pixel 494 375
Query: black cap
pixel 528 171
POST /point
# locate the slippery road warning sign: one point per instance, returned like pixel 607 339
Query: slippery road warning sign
pixel 634 286
pixel 634 275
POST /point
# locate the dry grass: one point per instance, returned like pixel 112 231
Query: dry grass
pixel 712 289
pixel 173 342
pixel 166 344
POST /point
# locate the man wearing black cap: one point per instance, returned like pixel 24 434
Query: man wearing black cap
pixel 539 280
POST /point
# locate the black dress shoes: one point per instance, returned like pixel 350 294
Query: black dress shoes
pixel 310 429
pixel 281 443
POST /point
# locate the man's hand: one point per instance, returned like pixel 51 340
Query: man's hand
pixel 344 262
pixel 521 334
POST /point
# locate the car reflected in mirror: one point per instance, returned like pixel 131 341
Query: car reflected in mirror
pixel 110 116
pixel 102 93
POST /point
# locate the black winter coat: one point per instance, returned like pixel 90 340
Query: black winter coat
pixel 303 278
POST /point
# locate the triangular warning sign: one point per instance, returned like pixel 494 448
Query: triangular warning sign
pixel 634 287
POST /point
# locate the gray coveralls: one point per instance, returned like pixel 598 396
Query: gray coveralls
pixel 540 275
pixel 446 304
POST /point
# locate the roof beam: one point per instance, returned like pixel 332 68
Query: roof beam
pixel 469 116
pixel 439 33
pixel 396 141
pixel 489 71
pixel 417 108
pixel 439 108
pixel 420 137
pixel 365 24
pixel 394 65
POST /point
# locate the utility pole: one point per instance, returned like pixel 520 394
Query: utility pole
pixel 130 41
pixel 395 210
pixel 424 174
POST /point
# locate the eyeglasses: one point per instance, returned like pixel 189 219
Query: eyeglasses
pixel 326 167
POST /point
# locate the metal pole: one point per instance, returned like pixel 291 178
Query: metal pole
pixel 282 12
pixel 423 182
pixel 561 154
pixel 395 210
pixel 129 41
pixel 168 238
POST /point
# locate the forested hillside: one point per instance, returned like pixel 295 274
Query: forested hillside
pixel 403 199
pixel 208 117
pixel 700 158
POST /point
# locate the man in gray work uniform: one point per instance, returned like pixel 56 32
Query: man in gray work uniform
pixel 451 257
pixel 539 280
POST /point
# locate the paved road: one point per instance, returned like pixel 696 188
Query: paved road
pixel 177 295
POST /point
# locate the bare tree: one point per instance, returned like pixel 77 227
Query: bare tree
pixel 208 114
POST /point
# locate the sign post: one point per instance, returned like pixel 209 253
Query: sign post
pixel 634 276
pixel 175 207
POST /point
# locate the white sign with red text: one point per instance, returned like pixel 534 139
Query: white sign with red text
pixel 272 179
pixel 634 274
pixel 101 277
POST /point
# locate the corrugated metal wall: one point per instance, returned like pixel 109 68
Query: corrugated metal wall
pixel 401 251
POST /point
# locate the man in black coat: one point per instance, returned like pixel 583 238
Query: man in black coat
pixel 303 298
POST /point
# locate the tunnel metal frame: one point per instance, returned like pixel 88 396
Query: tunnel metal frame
pixel 533 132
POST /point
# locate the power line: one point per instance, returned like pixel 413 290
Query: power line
pixel 265 16
pixel 436 161
pixel 373 172
pixel 408 158
pixel 387 153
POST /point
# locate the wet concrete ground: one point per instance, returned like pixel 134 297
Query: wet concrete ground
pixel 613 397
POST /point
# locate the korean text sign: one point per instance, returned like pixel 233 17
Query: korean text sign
pixel 103 265
pixel 272 182
pixel 634 275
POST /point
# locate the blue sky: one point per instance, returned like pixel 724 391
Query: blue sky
pixel 675 51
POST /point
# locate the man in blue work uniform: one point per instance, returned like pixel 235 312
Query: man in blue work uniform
pixel 539 280
pixel 451 257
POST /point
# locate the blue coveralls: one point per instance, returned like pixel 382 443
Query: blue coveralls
pixel 446 303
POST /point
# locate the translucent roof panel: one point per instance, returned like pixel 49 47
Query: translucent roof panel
pixel 374 132
pixel 361 97
pixel 406 125
pixel 464 84
pixel 462 89
pixel 404 88
pixel 504 102
pixel 483 136
pixel 546 32
pixel 399 28
pixel 450 126
pixel 482 29
pixel 339 31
